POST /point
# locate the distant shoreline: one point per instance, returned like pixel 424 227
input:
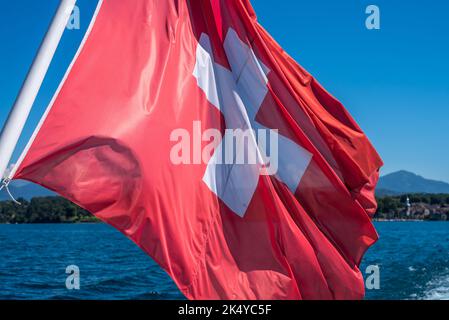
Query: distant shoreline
pixel 57 210
pixel 51 210
pixel 407 220
pixel 420 206
pixel 101 222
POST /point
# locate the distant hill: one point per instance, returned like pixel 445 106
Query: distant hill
pixel 407 182
pixel 384 192
pixel 26 190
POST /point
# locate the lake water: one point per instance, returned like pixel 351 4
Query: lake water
pixel 413 258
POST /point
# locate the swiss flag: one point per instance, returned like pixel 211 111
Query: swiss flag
pixel 148 68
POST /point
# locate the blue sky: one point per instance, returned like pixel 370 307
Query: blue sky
pixel 394 81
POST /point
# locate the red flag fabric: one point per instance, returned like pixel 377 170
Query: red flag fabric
pixel 148 68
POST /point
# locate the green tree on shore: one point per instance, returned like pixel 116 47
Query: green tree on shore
pixel 43 210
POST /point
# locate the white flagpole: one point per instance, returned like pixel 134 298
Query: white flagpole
pixel 19 113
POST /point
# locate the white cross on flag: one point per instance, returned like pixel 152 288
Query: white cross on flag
pixel 238 94
pixel 148 70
